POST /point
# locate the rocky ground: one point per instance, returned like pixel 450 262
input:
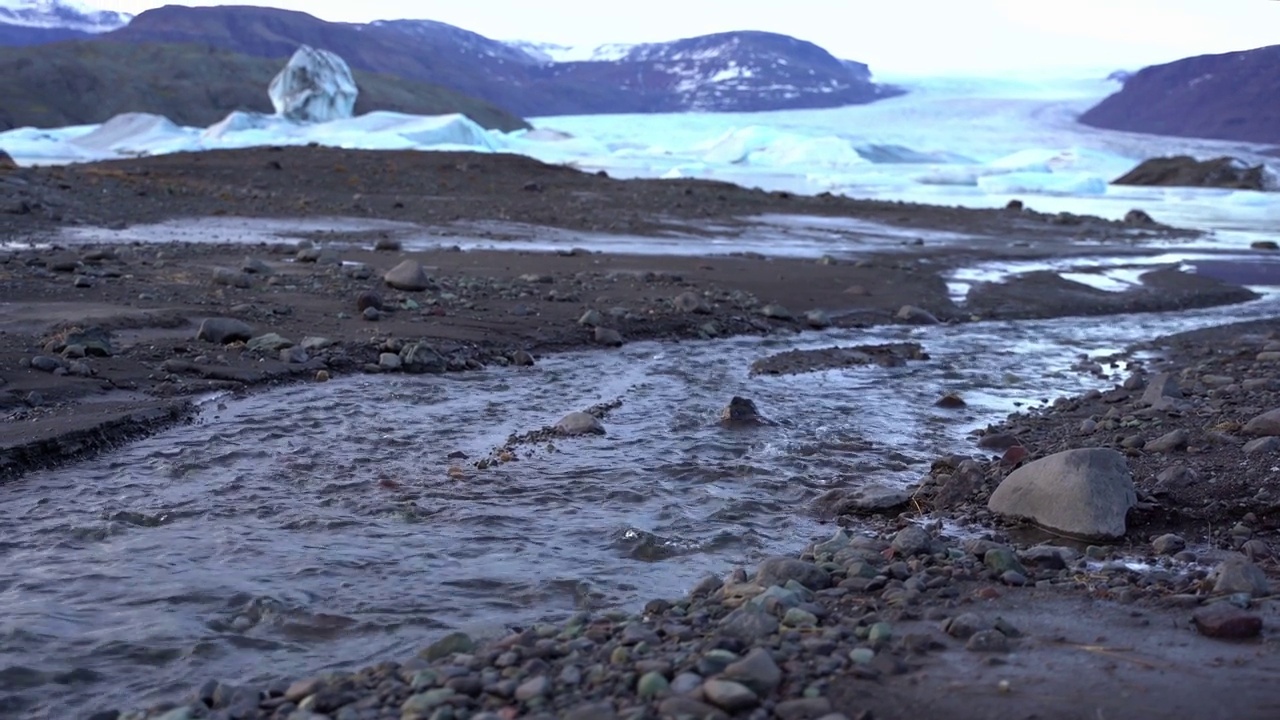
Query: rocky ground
pixel 915 614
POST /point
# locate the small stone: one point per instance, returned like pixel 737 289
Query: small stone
pixel 386 244
pixel 690 302
pixel 681 707
pixel 293 355
pixel 757 671
pixel 389 361
pixel 270 342
pixel 728 695
pixel 452 644
pixel 992 641
pixel 651 685
pixel 916 315
pixel 1168 544
pixel 1002 560
pixel 409 276
pixel 579 423
pixel 1169 442
pixel 83 281
pixel 807 708
pixel 322 376
pixel 749 624
pixel 371 314
pixel 797 617
pixel 45 363
pixel 817 319
pixel 774 311
pixel 255 266
pixel 302 688
pixel 608 337
pixel 1227 622
pixel 964 626
pixel 779 570
pixel 1238 575
pixel 223 331
pixel 1267 424
pixel 911 540
pixel 591 318
pixel 534 687
pixel 862 656
pixel 950 401
pixel 1262 446
pixel 368 299
pixel 423 703
pixel 231 278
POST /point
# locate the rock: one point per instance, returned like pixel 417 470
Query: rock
pixel 774 311
pixel 950 401
pixel 779 570
pixel 386 244
pixel 964 626
pixel 1238 575
pixel 534 687
pixel 1138 218
pixel 742 411
pixel 371 314
pixel 607 337
pixel 315 86
pixel 803 709
pixel 224 330
pixel 270 342
pixel 419 357
pixel 1001 560
pixel 682 707
pixel 1226 622
pixel 1161 386
pixel 999 442
pixel 652 684
pixel 422 704
pixel 730 696
pixel 757 671
pixel 591 318
pixel 690 302
pixel 1169 442
pixel 1085 493
pixel 522 358
pixel 988 641
pixel 368 299
pixel 1168 544
pixel 911 540
pixel 1262 446
pixel 293 355
pixel 7 162
pixel 817 319
pixel 749 624
pixel 1186 171
pixel 45 363
pixel 913 314
pixel 1267 424
pixel 1264 245
pixel 451 644
pixel 579 423
pixel 409 276
pixel 231 278
pixel 254 266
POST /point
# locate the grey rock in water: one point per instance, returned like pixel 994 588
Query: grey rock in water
pixel 1084 493
pixel 608 337
pixel 742 411
pixel 420 357
pixel 409 276
pixel 916 315
pixel 579 423
pixel 222 330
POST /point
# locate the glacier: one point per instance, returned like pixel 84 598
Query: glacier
pixel 977 142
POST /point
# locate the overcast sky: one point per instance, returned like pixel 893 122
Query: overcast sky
pixel 893 36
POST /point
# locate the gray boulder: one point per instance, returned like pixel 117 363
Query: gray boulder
pixel 1266 425
pixel 224 330
pixel 1084 493
pixel 580 423
pixel 408 276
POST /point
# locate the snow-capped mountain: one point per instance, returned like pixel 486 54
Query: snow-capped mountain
pixel 547 53
pixel 60 15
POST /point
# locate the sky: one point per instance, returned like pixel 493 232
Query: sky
pixel 945 37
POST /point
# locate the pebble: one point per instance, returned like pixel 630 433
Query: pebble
pixel 992 641
pixel 1168 544
pixel 729 695
pixel 757 671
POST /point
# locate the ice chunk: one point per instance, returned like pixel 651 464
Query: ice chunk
pixel 315 86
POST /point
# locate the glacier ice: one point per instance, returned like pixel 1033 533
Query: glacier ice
pixel 315 86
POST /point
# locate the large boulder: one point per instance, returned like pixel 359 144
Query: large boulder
pixel 315 86
pixel 1186 171
pixel 1084 493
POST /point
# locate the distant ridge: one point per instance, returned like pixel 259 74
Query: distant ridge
pixel 1233 96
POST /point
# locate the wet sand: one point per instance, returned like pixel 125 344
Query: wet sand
pixel 99 343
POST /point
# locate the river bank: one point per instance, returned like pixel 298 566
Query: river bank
pixel 99 324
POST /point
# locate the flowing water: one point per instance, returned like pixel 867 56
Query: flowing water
pixel 318 526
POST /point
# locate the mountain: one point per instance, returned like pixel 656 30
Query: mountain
pixel 60 15
pixel 729 71
pixel 79 82
pixel 1233 96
